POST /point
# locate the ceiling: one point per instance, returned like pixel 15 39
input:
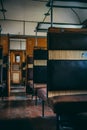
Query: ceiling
pixel 25 10
pixel 33 11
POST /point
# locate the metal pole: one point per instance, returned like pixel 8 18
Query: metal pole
pixel 36 38
pixel 51 4
pixel 23 27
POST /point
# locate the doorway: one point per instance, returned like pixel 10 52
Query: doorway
pixel 17 67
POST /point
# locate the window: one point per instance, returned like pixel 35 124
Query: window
pixel 17 58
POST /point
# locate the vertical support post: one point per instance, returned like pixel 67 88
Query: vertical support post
pixel 36 96
pixel 1 60
pixel 36 38
pixel 42 108
pixel 9 66
pixel 51 4
pixel 23 27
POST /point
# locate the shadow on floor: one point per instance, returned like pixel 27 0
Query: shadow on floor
pixel 44 123
pixel 17 124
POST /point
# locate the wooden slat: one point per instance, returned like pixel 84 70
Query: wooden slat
pixel 40 62
pixel 62 54
pixel 65 30
pixel 65 92
pixel 30 65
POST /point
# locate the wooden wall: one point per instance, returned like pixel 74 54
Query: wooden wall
pixel 31 43
pixel 4 43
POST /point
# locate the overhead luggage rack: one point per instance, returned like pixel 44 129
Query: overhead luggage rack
pixel 82 4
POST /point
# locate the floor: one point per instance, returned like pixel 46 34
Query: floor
pixel 21 109
pixel 21 105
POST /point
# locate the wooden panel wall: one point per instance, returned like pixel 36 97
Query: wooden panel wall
pixel 5 44
pixel 70 54
pixel 31 43
pixel 6 72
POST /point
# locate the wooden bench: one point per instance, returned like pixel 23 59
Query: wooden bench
pixel 68 105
